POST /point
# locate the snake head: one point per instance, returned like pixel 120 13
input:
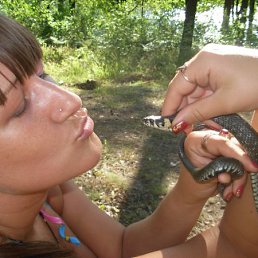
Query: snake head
pixel 159 122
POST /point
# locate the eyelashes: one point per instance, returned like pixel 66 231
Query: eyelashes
pixel 43 76
pixel 22 109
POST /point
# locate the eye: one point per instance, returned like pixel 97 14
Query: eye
pixel 21 109
pixel 43 76
pixel 46 77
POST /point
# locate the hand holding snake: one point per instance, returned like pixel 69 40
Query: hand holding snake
pixel 218 80
pixel 201 147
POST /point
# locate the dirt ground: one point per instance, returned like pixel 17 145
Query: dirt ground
pixel 139 164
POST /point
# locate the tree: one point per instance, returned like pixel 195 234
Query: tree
pixel 241 15
pixel 187 36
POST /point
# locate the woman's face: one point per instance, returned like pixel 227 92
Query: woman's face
pixel 46 137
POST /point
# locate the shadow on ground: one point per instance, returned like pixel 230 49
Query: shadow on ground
pixel 149 156
pixel 156 168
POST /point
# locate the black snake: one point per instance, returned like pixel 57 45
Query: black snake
pixel 241 130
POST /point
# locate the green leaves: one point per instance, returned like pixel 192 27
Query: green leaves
pixel 129 35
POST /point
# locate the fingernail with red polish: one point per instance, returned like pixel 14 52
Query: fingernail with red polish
pixel 255 164
pixel 228 197
pixel 179 127
pixel 239 191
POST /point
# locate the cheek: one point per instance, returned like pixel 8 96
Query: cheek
pixel 22 154
pixel 31 166
pixel 25 146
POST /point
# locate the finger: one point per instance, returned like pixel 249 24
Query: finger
pixel 178 89
pixel 218 145
pixel 224 178
pixel 234 188
pixel 235 151
pixel 238 185
pixel 202 109
pixel 227 194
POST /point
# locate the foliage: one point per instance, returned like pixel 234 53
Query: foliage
pixel 121 37
pixel 66 64
pixel 51 21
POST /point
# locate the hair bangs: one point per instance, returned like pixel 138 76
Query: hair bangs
pixel 19 50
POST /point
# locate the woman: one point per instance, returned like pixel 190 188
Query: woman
pixel 46 139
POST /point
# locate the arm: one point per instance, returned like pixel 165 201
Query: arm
pixel 102 234
pixel 169 225
pixel 188 197
pixel 240 221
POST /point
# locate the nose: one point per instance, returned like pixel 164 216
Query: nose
pixel 67 104
pixel 58 102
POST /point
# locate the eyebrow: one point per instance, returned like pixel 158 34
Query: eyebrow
pixel 3 97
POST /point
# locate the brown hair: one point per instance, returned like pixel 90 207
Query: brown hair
pixel 39 249
pixel 19 50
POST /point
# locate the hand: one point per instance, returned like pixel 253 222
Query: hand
pixel 223 79
pixel 217 145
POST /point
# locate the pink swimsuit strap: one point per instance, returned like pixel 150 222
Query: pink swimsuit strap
pixel 61 230
pixel 50 218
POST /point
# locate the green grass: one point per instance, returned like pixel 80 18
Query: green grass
pixel 70 65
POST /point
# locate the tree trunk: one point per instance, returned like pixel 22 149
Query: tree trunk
pixel 142 7
pixel 187 36
pixel 244 6
pixel 228 7
pixel 251 13
pixel 250 21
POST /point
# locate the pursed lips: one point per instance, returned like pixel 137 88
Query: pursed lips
pixel 86 128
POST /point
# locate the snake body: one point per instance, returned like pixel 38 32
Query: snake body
pixel 241 130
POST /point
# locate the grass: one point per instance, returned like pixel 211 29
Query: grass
pixel 69 66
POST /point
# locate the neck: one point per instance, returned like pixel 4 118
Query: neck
pixel 18 217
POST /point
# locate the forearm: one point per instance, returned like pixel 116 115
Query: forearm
pixel 169 225
pixel 101 233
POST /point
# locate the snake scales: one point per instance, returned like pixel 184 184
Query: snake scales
pixel 241 130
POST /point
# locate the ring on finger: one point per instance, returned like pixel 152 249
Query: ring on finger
pixel 205 140
pixel 225 133
pixel 182 70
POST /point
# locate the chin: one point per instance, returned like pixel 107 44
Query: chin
pixel 96 144
pixel 93 154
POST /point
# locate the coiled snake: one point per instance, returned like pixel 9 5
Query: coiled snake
pixel 241 130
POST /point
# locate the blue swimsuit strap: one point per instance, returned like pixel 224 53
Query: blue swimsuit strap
pixel 61 230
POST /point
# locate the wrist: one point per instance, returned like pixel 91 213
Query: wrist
pixel 192 192
pixel 189 196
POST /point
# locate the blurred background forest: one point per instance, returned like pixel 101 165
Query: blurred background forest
pixel 110 38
